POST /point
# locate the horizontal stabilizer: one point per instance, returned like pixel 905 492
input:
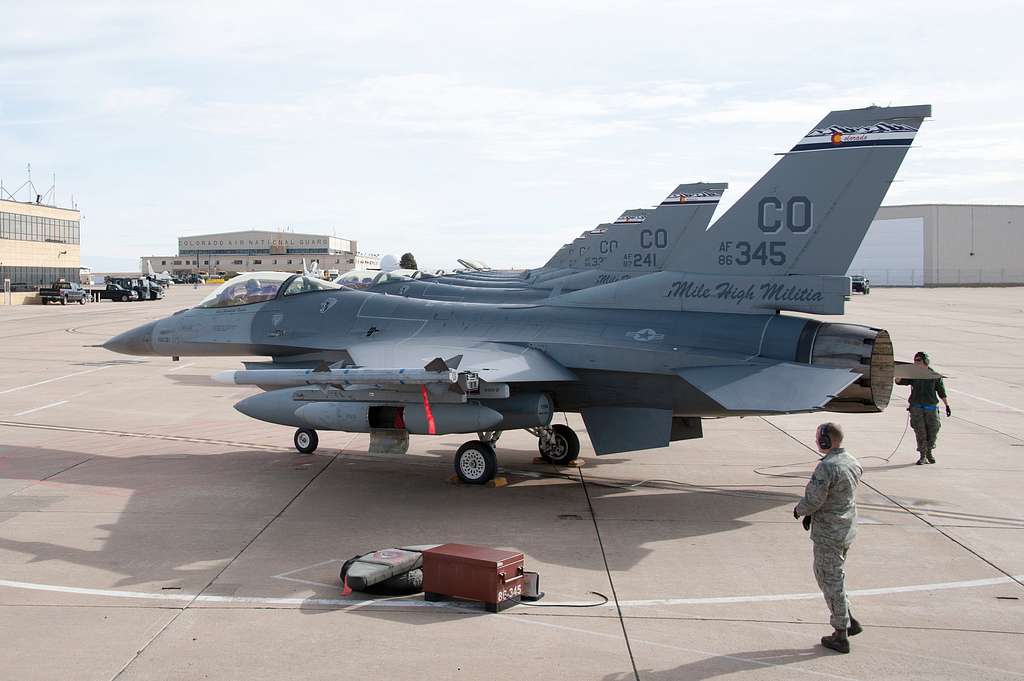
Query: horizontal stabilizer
pixel 627 429
pixel 769 387
pixel 908 370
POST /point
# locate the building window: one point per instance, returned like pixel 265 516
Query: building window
pixel 163 262
pixel 257 262
pixel 206 262
pixel 236 262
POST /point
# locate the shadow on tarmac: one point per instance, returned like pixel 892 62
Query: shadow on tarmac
pixel 155 517
pixel 720 665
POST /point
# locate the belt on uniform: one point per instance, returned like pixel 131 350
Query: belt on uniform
pixel 929 407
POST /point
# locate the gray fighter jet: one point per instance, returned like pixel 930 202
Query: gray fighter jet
pixel 610 252
pixel 644 359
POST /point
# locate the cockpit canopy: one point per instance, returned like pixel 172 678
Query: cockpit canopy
pixel 258 287
pixel 397 275
pixel 357 278
pixel 367 278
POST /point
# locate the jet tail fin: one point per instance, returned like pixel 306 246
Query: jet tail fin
pixel 810 212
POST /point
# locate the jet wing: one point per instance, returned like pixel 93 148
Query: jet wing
pixel 769 386
pixel 493 362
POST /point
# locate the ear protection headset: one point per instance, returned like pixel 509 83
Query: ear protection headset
pixel 823 438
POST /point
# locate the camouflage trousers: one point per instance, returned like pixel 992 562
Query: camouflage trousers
pixel 830 571
pixel 925 423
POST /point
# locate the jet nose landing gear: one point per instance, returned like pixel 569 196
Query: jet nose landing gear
pixel 306 440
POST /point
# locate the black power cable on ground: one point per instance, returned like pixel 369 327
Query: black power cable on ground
pixel 897 503
pixel 608 571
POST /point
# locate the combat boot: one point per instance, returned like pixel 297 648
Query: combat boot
pixel 854 627
pixel 928 455
pixel 837 641
pixel 921 460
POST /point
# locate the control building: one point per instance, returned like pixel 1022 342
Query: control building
pixel 943 245
pixel 39 244
pixel 259 250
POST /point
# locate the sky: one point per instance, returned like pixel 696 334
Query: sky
pixel 473 129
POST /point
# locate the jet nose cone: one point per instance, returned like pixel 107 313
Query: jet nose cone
pixel 137 341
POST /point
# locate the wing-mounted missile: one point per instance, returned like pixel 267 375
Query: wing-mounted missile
pixel 436 372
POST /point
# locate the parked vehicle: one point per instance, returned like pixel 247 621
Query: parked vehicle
pixel 860 284
pixel 117 292
pixel 64 292
pixel 146 289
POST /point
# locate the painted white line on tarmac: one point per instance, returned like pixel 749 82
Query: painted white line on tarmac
pixel 405 603
pixel 285 575
pixel 767 598
pixel 998 404
pixel 183 366
pixel 45 406
pixel 51 380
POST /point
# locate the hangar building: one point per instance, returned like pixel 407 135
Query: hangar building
pixel 39 244
pixel 943 245
pixel 256 250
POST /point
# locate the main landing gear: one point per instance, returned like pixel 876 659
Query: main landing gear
pixel 477 464
pixel 558 444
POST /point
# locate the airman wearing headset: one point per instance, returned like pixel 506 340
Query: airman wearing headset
pixel 829 508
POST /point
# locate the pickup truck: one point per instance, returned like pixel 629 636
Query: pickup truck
pixel 64 292
pixel 116 292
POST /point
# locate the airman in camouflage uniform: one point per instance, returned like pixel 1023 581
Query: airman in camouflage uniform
pixel 829 508
pixel 925 394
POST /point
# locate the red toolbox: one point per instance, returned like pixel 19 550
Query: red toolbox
pixel 475 573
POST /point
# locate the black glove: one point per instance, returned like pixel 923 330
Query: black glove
pixel 795 514
pixel 807 523
pixel 949 412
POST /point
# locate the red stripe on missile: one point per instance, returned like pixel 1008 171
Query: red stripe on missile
pixel 431 429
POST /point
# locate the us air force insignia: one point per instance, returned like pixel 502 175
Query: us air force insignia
pixel 327 305
pixel 645 335
pixel 277 318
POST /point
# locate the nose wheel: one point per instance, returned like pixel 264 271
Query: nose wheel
pixel 558 444
pixel 476 463
pixel 306 440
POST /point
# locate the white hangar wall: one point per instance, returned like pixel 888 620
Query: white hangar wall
pixel 943 245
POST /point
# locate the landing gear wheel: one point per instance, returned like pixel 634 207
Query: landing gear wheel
pixel 476 463
pixel 306 440
pixel 561 447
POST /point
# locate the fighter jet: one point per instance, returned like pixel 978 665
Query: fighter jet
pixel 644 360
pixel 163 279
pixel 629 247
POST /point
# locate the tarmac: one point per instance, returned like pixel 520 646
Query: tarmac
pixel 150 531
